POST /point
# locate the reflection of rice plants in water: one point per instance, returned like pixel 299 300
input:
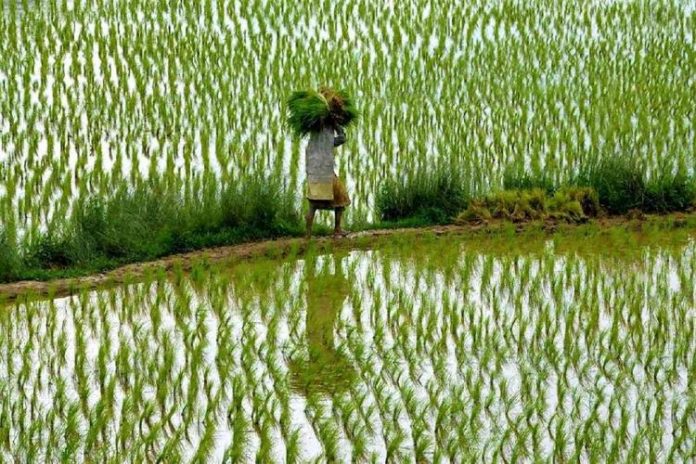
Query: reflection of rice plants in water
pixel 427 350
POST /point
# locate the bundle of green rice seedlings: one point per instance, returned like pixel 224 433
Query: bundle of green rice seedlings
pixel 312 111
pixel 308 111
pixel 341 106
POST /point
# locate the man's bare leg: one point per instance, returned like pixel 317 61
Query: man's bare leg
pixel 337 225
pixel 310 220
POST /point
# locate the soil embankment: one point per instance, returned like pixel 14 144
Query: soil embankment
pixel 283 247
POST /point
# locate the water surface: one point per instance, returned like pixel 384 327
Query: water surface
pixel 419 350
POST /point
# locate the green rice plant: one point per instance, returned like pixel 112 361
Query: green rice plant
pixel 292 447
pixel 72 435
pixel 394 446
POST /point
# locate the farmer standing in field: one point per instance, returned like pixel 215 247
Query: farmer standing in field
pixel 324 189
pixel 323 115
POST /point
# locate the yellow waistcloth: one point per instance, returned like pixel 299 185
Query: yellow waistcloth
pixel 320 191
pixel 324 195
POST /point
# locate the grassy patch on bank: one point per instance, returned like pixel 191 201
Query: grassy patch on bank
pixel 429 197
pixel 622 185
pixel 9 261
pixel 613 185
pixel 517 178
pixel 155 219
pixel 152 221
pixel 570 204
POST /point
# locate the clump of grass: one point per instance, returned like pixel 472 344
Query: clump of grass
pixel 517 204
pixel 432 197
pixel 576 201
pixel 49 251
pixel 153 220
pixel 311 111
pixel 619 182
pixel 134 223
pixel 9 261
pixel 260 204
pixel 572 204
pixel 518 179
pixel 670 193
pixel 476 212
pixel 622 185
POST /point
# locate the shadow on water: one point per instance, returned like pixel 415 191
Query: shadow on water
pixel 325 370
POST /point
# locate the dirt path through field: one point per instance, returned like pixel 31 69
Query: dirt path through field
pixel 278 248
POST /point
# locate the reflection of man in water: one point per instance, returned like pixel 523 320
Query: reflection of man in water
pixel 326 370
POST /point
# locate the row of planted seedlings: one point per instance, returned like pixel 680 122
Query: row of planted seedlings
pixel 552 351
pixel 88 99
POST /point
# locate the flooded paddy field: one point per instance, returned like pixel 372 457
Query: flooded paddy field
pixel 569 347
pixel 99 94
pixel 423 349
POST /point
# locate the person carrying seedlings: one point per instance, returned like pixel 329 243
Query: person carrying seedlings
pixel 323 116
